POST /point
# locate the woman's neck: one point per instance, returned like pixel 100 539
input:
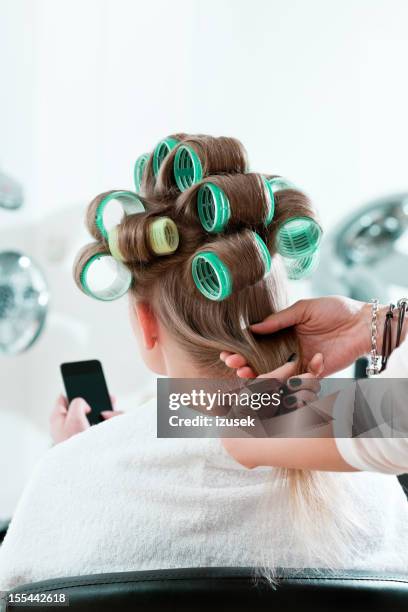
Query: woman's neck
pixel 179 364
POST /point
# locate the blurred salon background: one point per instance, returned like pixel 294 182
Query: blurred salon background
pixel 317 92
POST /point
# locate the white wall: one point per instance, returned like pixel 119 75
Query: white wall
pixel 316 90
pixel 19 76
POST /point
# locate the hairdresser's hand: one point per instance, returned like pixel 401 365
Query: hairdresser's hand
pixel 337 327
pixel 66 421
pixel 301 388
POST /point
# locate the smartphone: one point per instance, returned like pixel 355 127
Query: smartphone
pixel 86 379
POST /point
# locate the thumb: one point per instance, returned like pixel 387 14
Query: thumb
pixel 280 320
pixel 79 404
pixel 77 411
pixel 316 365
pixel 282 373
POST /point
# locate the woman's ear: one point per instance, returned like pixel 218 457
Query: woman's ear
pixel 148 324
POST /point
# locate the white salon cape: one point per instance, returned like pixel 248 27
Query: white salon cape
pixel 387 453
pixel 117 498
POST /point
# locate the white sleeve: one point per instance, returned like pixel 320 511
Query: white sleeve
pixel 384 454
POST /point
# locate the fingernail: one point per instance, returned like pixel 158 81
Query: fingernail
pixel 290 400
pixel 295 382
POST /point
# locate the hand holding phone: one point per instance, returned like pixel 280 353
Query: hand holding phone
pixel 88 401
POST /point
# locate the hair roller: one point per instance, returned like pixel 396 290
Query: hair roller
pixel 140 238
pixel 301 267
pixel 294 232
pixel 298 237
pixel 138 171
pixel 155 161
pixel 161 150
pixel 126 202
pixel 230 201
pixel 200 156
pixel 99 275
pixel 229 264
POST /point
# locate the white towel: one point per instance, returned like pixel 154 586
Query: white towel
pixel 116 498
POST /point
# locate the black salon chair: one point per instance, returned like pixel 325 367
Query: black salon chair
pixel 227 589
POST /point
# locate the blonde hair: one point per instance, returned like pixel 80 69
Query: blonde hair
pixel 203 327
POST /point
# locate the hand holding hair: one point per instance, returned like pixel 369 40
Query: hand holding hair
pixel 336 326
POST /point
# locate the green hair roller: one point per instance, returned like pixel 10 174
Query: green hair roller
pixel 274 185
pixel 298 237
pixel 187 167
pixel 161 151
pixel 279 183
pixel 213 208
pixel 266 256
pixel 271 201
pixel 129 202
pixel 303 267
pixel 118 278
pixel 140 164
pixel 213 278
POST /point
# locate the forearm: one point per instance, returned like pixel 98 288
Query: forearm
pixel 292 453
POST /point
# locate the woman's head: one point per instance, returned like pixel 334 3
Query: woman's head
pixel 169 314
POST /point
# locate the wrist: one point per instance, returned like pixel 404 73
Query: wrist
pixel 365 327
pixel 381 315
pixel 364 331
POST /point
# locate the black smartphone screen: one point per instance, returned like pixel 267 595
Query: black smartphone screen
pixel 86 379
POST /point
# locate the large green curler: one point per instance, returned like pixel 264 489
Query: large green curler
pixel 302 267
pixel 110 282
pixel 128 201
pixel 187 167
pixel 161 150
pixel 274 185
pixel 298 237
pixel 278 183
pixel 213 278
pixel 270 198
pixel 263 249
pixel 140 165
pixel 213 208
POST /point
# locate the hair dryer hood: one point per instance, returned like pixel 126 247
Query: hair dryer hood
pixel 367 253
pixel 23 302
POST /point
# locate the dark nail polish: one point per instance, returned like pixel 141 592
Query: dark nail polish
pixel 290 400
pixel 295 382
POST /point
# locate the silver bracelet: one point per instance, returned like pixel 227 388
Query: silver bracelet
pixel 374 365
